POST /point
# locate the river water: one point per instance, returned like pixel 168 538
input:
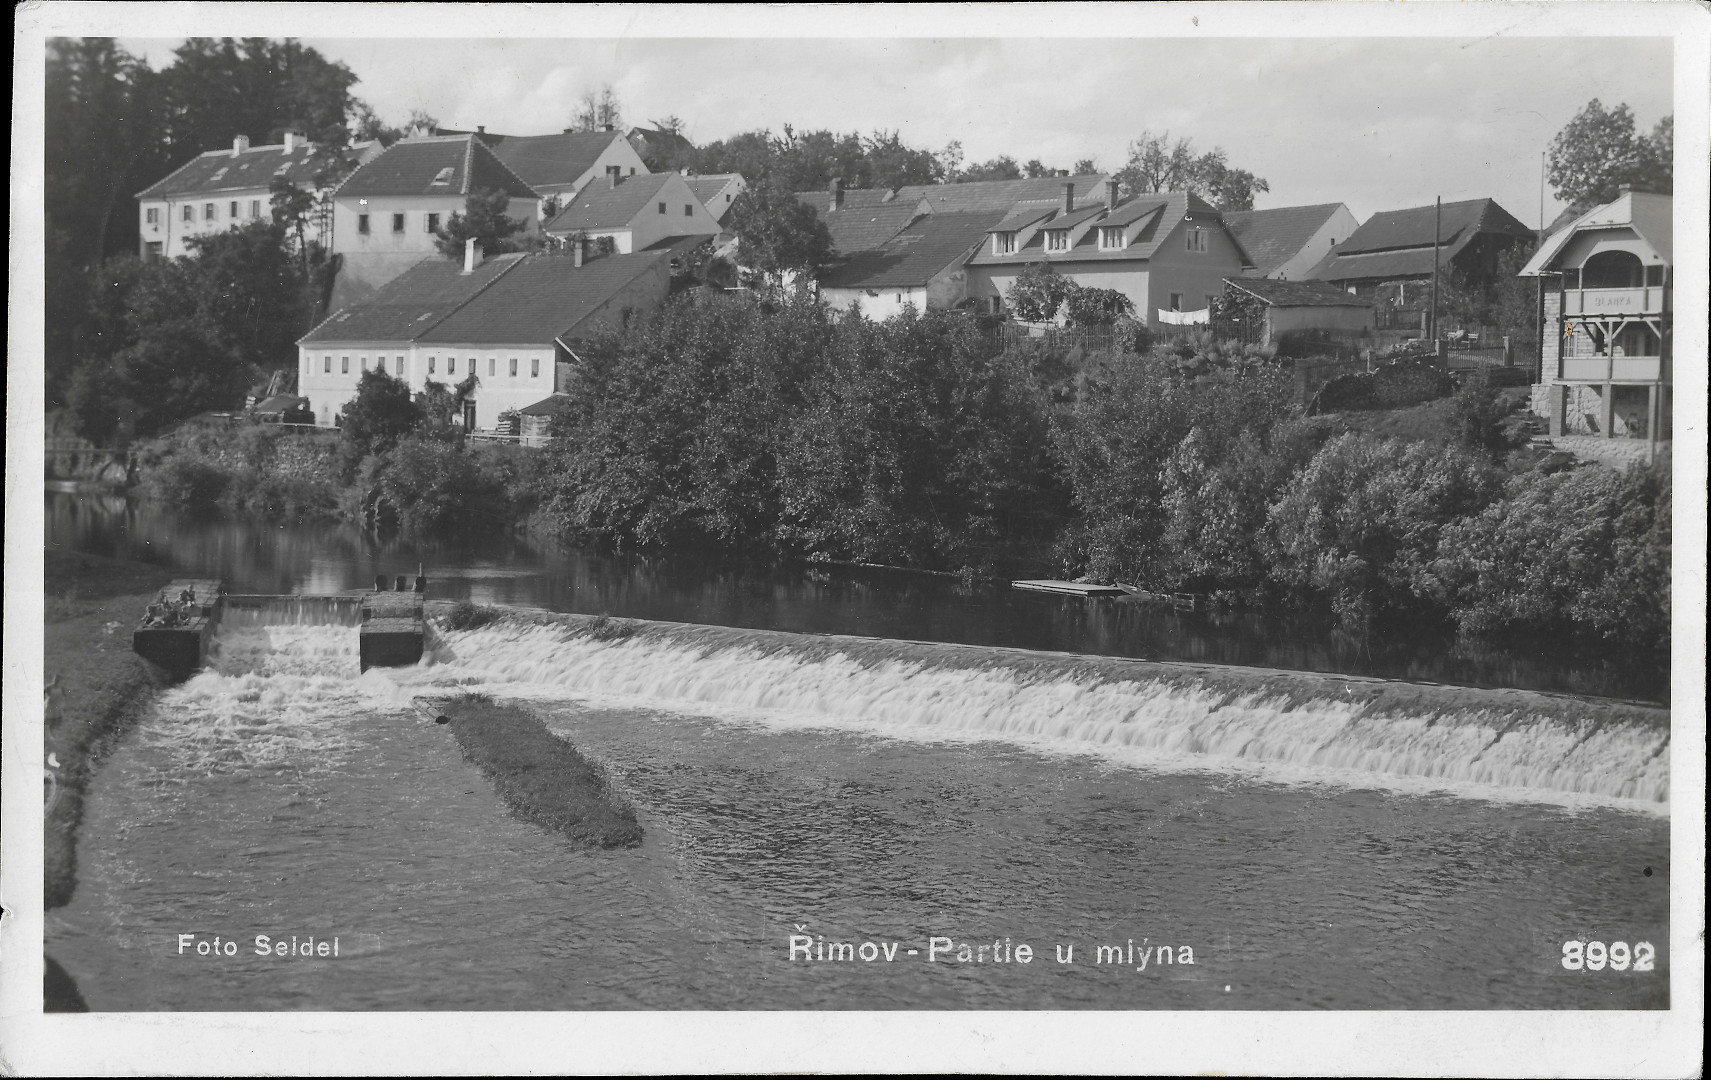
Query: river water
pixel 849 823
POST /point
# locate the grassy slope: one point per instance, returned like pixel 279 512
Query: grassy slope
pixel 540 776
pixel 95 685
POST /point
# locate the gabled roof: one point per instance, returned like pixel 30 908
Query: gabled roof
pixel 1021 217
pixel 544 407
pixel 820 201
pixel 1297 293
pixel 542 299
pixel 915 255
pixel 218 170
pixel 1398 243
pixel 602 206
pixel 1650 216
pixel 705 187
pixel 1158 215
pixel 551 160
pixel 411 303
pixel 461 164
pixel 1273 237
pixel 859 227
pixel 986 195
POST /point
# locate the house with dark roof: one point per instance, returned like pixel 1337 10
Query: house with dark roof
pixel 717 191
pixel 1294 306
pixel 1608 280
pixel 1389 259
pixel 635 211
pixel 1287 241
pixel 563 164
pixel 510 321
pixel 923 266
pixel 664 151
pixel 387 212
pixel 861 219
pixel 1167 252
pixel 224 189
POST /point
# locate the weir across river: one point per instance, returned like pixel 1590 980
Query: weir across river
pixel 176 631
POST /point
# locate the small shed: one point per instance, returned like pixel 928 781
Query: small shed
pixel 536 419
pixel 1295 306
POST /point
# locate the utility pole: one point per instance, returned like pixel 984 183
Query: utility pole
pixel 1437 228
pixel 1539 308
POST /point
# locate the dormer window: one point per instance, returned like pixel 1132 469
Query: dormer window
pixel 1112 237
pixel 1003 243
pixel 221 171
pixel 1057 239
pixel 444 176
pixel 1195 239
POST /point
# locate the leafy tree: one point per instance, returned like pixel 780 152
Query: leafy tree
pixel 219 88
pixel 484 220
pixel 294 211
pixel 778 232
pixel 1037 293
pixel 1085 167
pixel 1157 163
pixel 1598 151
pixel 1086 307
pixel 999 168
pixel 378 416
pixel 891 164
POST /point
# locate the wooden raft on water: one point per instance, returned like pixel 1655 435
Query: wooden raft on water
pixel 1067 588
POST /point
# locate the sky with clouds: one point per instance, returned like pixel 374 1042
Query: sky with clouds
pixel 1348 103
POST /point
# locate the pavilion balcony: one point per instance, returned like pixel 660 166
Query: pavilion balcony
pixel 1615 369
pixel 1639 300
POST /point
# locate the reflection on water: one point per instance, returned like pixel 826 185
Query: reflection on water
pixel 322 557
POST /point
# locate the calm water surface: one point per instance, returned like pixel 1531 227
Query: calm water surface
pixel 325 557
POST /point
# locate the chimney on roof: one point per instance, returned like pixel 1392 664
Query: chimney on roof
pixel 1111 193
pixel 291 138
pixel 578 249
pixel 1069 197
pixel 471 255
pixel 613 173
pixel 836 192
pixel 481 129
pixel 605 127
pixel 240 143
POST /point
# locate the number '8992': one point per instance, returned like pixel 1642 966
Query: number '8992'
pixel 1596 956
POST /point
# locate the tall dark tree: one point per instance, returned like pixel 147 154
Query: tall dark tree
pixel 1003 167
pixel 1159 163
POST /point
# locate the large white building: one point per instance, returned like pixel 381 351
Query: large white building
pixel 509 321
pixel 224 189
pixel 386 213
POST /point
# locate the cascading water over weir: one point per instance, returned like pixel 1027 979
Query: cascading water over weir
pixel 1285 725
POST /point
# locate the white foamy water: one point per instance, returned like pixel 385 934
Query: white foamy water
pixel 1567 759
pixel 281 688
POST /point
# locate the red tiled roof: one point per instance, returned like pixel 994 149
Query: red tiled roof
pixel 411 166
pixel 1273 237
pixel 915 255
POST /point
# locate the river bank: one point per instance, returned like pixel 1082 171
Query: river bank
pixel 95 685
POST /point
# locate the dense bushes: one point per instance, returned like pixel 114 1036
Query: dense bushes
pixel 1398 383
pixel 254 469
pixel 789 429
pixel 1585 552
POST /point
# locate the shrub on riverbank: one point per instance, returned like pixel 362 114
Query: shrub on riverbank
pixel 797 430
pixel 542 778
pixel 1584 554
pixel 257 469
